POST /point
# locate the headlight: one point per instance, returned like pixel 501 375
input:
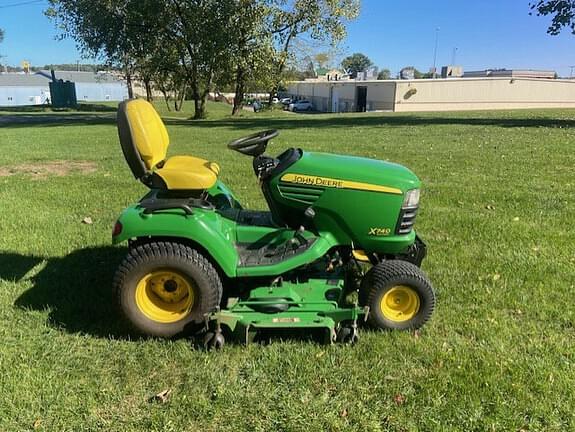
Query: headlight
pixel 411 198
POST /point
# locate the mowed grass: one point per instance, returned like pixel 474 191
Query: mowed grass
pixel 497 214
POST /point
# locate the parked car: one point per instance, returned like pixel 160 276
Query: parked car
pixel 285 101
pixel 301 105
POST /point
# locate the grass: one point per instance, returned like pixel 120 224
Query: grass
pixel 497 215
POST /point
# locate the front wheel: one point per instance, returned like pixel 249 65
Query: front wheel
pixel 166 288
pixel 398 294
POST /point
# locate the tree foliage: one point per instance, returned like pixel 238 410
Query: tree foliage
pixel 384 74
pixel 320 20
pixel 195 46
pixel 356 63
pixel 562 11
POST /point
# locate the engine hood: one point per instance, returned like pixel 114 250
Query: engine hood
pixel 337 171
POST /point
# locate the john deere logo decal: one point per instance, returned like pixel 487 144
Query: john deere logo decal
pixel 336 183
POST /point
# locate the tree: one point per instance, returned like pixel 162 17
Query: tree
pixel 147 36
pixel 200 45
pixel 384 74
pixel 320 20
pixel 118 32
pixel 563 12
pixel 356 63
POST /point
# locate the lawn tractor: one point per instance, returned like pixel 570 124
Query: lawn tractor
pixel 336 247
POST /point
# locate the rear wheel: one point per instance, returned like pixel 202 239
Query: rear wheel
pixel 398 294
pixel 165 288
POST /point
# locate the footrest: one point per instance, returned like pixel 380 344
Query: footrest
pixel 267 255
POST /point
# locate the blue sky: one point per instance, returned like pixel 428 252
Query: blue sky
pixel 486 33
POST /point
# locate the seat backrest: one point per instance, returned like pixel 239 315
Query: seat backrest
pixel 143 136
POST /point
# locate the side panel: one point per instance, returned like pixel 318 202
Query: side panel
pixel 207 228
pixel 357 200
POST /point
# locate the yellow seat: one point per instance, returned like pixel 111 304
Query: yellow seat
pixel 179 172
pixel 145 142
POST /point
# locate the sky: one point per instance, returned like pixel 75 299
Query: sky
pixel 393 34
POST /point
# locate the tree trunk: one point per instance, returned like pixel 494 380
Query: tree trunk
pixel 281 67
pixel 148 86
pixel 240 90
pixel 200 107
pixel 166 97
pixel 129 85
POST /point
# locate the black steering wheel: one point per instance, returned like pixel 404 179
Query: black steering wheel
pixel 253 145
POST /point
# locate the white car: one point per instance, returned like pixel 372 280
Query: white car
pixel 301 105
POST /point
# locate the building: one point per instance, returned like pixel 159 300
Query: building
pixel 92 87
pixel 20 89
pixel 451 71
pixel 17 89
pixel 324 74
pixel 451 94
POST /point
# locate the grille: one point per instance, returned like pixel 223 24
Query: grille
pixel 304 194
pixel 406 221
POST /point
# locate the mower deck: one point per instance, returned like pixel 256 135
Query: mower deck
pixel 309 305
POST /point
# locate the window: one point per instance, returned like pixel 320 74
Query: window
pixel 9 98
pixel 107 97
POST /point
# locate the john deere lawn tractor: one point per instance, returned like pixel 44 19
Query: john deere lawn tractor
pixel 336 247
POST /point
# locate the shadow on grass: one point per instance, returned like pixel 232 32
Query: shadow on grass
pixel 13 267
pixel 77 289
pixel 103 114
pixel 82 107
pixel 55 119
pixel 296 121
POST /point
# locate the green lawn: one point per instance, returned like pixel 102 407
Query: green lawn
pixel 498 216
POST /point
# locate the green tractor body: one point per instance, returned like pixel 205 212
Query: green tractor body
pixel 302 264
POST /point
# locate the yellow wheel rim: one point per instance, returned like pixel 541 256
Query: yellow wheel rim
pixel 400 304
pixel 164 296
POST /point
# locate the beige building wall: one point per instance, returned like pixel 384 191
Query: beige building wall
pixel 483 94
pixel 440 94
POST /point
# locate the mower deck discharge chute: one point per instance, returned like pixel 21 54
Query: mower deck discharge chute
pixel 337 245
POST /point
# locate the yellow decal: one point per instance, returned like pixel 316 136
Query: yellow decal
pixel 379 232
pixel 336 183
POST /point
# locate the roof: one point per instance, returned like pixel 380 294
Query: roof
pixel 527 73
pixel 451 80
pixel 43 78
pixel 82 77
pixel 22 80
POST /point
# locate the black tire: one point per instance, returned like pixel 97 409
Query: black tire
pixel 406 280
pixel 188 266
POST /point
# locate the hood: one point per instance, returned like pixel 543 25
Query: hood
pixel 356 169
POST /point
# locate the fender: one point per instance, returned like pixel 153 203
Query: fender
pixel 204 227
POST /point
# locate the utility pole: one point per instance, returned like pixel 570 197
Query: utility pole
pixel 435 52
pixel 571 73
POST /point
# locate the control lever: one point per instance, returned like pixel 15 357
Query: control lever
pixel 298 237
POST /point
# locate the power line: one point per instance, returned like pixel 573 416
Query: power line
pixel 21 3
